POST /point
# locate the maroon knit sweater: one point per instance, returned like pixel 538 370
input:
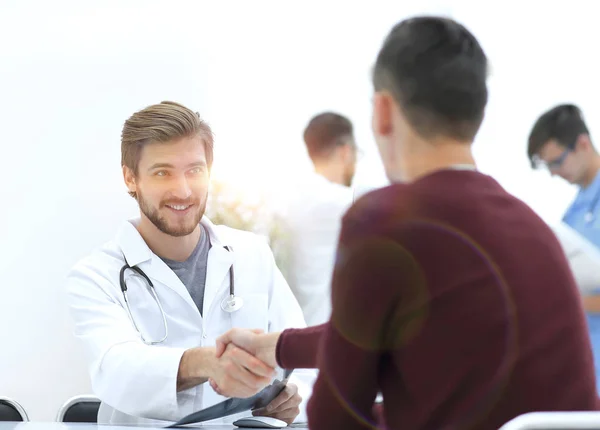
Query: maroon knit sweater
pixel 455 301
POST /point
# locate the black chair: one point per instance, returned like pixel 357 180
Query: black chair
pixel 80 409
pixel 10 410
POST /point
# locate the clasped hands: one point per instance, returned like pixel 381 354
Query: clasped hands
pixel 247 359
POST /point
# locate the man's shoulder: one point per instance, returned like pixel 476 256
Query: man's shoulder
pixel 315 193
pixel 379 202
pixel 106 257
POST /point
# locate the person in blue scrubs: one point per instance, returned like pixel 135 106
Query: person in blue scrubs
pixel 560 141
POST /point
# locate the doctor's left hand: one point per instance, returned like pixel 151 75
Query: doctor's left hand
pixel 285 407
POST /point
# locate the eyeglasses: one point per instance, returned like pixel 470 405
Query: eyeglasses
pixel 553 164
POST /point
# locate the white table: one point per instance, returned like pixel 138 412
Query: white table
pixel 41 425
pixel 555 420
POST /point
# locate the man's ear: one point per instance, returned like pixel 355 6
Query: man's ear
pixel 583 143
pixel 382 113
pixel 346 151
pixel 129 177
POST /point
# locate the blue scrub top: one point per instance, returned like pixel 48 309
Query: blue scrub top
pixel 588 199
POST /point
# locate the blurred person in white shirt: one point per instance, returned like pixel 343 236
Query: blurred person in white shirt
pixel 313 212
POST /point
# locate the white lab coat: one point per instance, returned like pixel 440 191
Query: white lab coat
pixel 137 382
pixel 311 219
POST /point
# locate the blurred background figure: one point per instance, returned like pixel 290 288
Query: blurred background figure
pixel 583 256
pixel 560 141
pixel 312 216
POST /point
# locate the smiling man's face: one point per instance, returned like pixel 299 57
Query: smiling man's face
pixel 172 184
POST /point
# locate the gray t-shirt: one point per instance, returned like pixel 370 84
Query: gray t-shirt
pixel 192 272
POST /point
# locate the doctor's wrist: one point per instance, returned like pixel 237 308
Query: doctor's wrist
pixel 195 367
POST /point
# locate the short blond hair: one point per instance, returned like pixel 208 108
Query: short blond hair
pixel 162 123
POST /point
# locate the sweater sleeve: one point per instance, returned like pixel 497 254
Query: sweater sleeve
pixel 297 348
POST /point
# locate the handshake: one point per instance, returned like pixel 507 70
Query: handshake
pixel 249 363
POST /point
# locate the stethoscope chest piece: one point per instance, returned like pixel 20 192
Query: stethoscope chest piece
pixel 232 303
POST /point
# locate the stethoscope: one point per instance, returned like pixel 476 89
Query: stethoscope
pixel 229 304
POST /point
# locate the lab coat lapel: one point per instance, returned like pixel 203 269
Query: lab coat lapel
pixel 137 253
pixel 217 267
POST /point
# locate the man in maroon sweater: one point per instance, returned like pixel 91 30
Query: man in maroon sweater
pixel 450 296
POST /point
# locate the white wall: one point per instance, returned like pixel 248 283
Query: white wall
pixel 542 54
pixel 71 72
pixel 69 78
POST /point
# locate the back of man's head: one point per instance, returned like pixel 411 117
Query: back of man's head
pixel 437 72
pixel 325 132
pixel 562 124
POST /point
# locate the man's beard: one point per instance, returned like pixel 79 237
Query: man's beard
pixel 163 225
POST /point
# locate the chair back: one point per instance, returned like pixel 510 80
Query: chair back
pixel 11 410
pixel 79 409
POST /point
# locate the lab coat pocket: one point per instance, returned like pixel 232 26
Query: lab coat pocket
pixel 253 314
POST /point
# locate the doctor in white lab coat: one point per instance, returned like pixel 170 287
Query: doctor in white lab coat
pixel 167 154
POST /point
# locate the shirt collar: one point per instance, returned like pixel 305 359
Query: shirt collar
pixel 136 250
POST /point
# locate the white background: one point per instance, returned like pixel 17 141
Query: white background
pixel 72 72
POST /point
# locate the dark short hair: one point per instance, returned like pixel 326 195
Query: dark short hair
pixel 324 132
pixel 437 72
pixel 161 123
pixel 563 123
